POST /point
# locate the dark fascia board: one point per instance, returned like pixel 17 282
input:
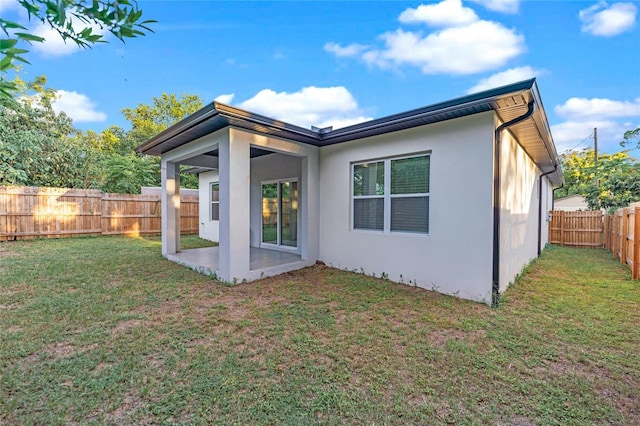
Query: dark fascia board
pixel 181 126
pixel 251 121
pixel 228 116
pixel 487 98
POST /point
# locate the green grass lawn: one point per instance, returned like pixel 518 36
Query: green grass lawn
pixel 104 330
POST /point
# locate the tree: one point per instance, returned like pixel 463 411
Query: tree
pixel 74 20
pixel 631 137
pixel 125 171
pixel 39 147
pixel 125 174
pixel 165 111
pixel 36 144
pixel 613 183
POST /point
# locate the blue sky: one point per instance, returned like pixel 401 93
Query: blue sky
pixel 337 63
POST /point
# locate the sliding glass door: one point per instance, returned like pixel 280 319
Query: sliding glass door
pixel 280 213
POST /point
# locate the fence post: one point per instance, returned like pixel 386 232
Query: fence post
pixel 561 217
pixel 635 271
pixel 616 246
pixel 623 237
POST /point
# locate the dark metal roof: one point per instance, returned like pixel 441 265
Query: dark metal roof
pixel 508 102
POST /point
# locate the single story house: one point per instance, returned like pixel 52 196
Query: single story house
pixel 571 203
pixel 451 197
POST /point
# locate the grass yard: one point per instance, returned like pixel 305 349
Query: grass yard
pixel 104 330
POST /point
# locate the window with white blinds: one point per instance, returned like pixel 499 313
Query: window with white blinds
pixel 392 195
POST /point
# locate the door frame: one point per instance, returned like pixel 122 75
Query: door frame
pixel 279 246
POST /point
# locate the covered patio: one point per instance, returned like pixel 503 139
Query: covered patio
pixel 248 164
pixel 263 262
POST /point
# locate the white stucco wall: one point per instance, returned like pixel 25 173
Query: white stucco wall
pixel 209 229
pixel 547 191
pixel 519 212
pixel 307 164
pixel 456 256
pixel 571 203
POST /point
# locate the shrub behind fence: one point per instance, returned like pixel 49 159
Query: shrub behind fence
pixel 39 212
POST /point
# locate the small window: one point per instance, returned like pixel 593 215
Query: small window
pixel 392 195
pixel 368 196
pixel 215 201
pixel 410 194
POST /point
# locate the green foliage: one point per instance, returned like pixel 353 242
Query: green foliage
pixel 188 180
pixel 74 20
pixel 165 111
pixel 39 147
pixel 125 174
pixel 631 137
pixel 36 147
pixel 613 183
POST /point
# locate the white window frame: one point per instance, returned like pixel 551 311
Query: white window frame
pixel 369 197
pixel 212 202
pixel 387 196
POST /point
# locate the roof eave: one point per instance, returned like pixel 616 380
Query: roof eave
pixel 183 125
pixel 228 116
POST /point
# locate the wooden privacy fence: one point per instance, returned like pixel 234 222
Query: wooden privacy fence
pixel 622 237
pixel 580 229
pixel 619 233
pixel 38 212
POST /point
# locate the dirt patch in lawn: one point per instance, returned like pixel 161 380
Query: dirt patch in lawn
pixel 60 350
pixel 439 338
pixel 5 252
pixel 124 326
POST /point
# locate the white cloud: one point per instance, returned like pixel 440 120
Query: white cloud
pixel 77 106
pixel 470 49
pixel 504 6
pixel 607 21
pixel 464 44
pixel 311 106
pixel 353 49
pixel 225 98
pixel 502 78
pixel 597 108
pixel 571 135
pixel 444 14
pixel 612 118
pixel 54 45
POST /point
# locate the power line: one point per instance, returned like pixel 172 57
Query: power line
pixel 582 141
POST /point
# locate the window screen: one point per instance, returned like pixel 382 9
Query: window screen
pixel 398 186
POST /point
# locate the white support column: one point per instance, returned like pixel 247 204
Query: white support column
pixel 170 207
pixel 310 220
pixel 234 168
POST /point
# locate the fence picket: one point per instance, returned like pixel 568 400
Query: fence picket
pixel 618 233
pixel 39 212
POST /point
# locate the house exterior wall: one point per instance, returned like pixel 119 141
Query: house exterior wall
pixel 209 229
pixel 290 159
pixel 456 256
pixel 269 168
pixel 571 204
pixel 519 209
pixel 547 191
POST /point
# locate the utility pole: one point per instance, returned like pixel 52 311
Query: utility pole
pixel 595 162
pixel 595 145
